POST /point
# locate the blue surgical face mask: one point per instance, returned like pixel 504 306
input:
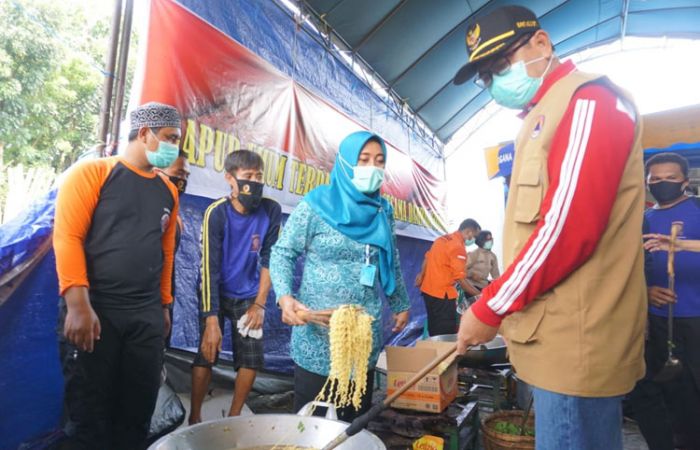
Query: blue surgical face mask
pixel 469 242
pixel 514 88
pixel 488 245
pixel 164 155
pixel 367 179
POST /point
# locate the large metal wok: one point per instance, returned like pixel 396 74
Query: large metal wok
pixel 244 432
pixel 482 356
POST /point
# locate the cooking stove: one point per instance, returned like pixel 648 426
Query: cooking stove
pixel 481 392
pixel 457 425
pixel 492 388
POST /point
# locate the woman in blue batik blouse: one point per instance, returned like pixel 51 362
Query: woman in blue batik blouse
pixel 345 230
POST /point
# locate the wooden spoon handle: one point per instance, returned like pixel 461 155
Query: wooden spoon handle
pixel 676 229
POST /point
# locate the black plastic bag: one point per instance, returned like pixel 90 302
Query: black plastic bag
pixel 168 415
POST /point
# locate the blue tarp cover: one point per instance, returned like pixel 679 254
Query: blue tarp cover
pixel 31 384
pixel 417 46
pixel 22 236
pixel 186 326
pixel 266 29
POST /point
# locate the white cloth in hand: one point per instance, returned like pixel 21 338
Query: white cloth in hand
pixel 246 331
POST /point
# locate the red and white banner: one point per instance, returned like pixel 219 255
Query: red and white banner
pixel 233 99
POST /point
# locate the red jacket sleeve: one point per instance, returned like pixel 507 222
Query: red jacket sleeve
pixel 587 158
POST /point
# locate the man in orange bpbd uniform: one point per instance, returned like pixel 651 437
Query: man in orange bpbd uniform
pixel 114 241
pixel 443 268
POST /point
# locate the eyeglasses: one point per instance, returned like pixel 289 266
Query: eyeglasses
pixel 498 65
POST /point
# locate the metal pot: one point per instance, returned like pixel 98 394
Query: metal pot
pixel 482 356
pixel 244 432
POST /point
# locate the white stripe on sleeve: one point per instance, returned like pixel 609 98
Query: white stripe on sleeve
pixel 557 214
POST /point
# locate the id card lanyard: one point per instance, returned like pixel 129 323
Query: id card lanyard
pixel 369 271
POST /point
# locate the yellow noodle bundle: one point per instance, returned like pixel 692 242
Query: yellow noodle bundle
pixel 350 347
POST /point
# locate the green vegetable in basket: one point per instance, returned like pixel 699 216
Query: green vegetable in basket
pixel 511 428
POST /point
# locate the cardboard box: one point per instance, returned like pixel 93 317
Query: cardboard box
pixel 436 390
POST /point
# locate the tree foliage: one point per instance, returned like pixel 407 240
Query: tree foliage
pixel 51 56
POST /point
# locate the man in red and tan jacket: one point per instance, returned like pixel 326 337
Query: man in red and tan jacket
pixel 571 303
pixel 114 240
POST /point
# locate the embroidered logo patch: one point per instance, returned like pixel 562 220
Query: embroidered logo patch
pixel 164 220
pixel 473 37
pixel 539 124
pixel 255 243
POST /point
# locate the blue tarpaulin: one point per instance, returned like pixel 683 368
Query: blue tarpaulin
pixel 31 384
pixel 418 64
pixel 22 237
pixel 185 324
pixel 266 29
pixel 682 148
pixel 416 47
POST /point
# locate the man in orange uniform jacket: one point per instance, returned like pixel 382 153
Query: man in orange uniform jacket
pixel 444 267
pixel 114 241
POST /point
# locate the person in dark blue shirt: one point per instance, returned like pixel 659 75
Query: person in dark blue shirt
pixel 238 232
pixel 665 409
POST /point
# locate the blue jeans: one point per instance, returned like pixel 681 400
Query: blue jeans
pixel 577 423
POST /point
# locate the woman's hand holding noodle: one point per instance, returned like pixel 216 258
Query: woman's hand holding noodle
pixel 345 231
pixel 321 318
pixel 290 306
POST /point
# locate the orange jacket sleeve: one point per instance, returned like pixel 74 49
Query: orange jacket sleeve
pixel 76 201
pixel 456 256
pixel 168 243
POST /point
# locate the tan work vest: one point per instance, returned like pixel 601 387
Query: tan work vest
pixel 585 337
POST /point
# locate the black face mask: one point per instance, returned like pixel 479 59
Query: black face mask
pixel 250 194
pixel 666 191
pixel 180 183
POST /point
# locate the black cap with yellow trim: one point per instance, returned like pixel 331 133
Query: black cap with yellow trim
pixel 493 33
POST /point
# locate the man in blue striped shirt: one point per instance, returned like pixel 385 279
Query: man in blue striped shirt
pixel 238 232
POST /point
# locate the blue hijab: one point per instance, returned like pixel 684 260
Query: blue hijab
pixel 361 217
